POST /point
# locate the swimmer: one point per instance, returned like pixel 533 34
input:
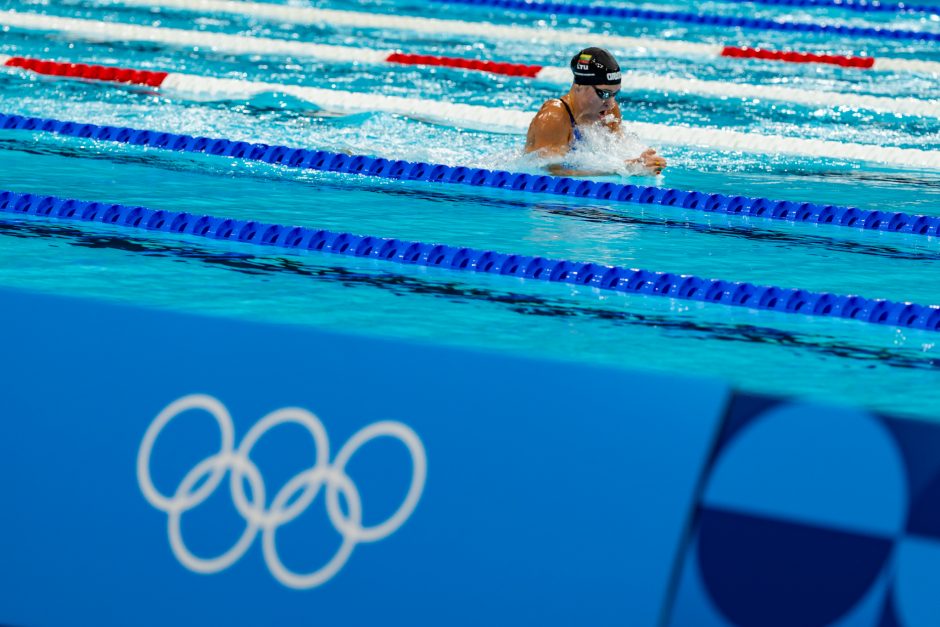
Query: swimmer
pixel 555 129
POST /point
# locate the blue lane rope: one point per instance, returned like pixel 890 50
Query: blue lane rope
pixel 685 287
pixel 320 160
pixel 693 18
pixel 852 5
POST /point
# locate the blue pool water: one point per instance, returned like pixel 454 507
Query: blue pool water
pixel 838 360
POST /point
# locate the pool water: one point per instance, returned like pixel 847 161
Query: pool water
pixel 844 361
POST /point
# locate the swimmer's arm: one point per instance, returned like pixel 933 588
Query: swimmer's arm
pixel 557 169
pixel 647 164
pixel 549 137
pixel 639 167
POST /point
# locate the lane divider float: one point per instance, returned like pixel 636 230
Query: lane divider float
pixel 600 276
pixel 806 212
pixel 489 118
pixel 477 30
pixel 633 81
pixel 723 21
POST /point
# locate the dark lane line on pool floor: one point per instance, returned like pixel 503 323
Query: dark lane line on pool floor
pixel 453 291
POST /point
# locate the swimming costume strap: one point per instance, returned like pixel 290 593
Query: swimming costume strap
pixel 574 127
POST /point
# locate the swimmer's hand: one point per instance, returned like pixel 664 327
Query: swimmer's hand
pixel 649 161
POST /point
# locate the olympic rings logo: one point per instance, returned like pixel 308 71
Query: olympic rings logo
pixel 307 483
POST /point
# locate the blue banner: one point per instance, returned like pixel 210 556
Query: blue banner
pixel 815 515
pixel 159 468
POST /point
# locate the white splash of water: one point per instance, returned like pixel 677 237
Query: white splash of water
pixel 602 150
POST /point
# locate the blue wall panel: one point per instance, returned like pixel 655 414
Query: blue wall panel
pixel 540 493
pixel 815 516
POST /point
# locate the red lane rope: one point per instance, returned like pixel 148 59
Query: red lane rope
pixel 798 57
pixel 96 72
pixel 155 79
pixel 531 71
pixel 510 69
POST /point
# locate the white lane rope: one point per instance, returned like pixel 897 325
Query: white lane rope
pixel 435 26
pixel 239 44
pixel 744 91
pixel 517 121
pixel 475 30
pixel 111 31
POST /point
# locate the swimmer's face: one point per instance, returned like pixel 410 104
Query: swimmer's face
pixel 598 100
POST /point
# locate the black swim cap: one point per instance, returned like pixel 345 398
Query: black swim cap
pixel 595 66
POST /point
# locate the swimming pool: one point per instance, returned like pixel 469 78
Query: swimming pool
pixel 846 361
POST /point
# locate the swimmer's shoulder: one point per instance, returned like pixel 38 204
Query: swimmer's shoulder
pixel 553 108
pixel 550 128
pixel 552 115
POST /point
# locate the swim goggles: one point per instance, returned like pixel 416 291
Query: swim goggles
pixel 605 94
